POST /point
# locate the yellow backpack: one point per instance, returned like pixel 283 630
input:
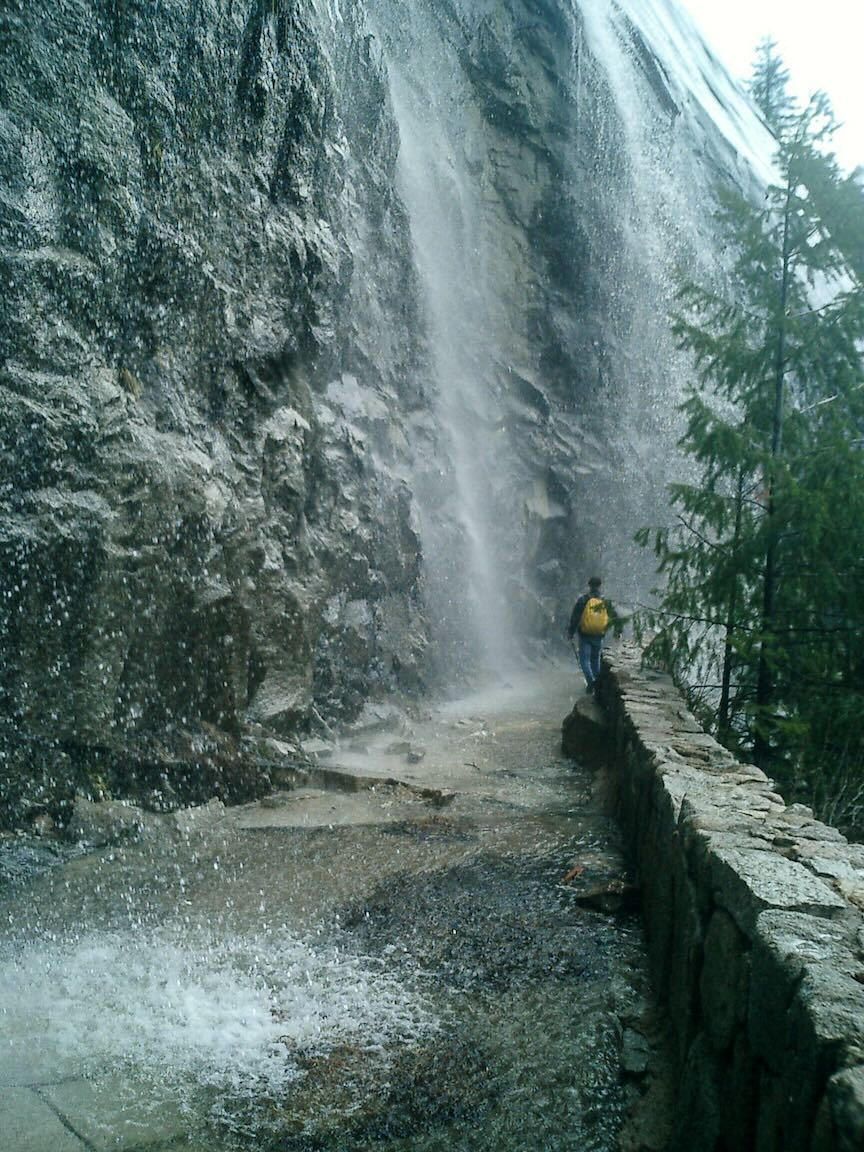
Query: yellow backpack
pixel 595 618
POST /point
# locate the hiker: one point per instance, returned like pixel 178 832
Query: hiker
pixel 591 616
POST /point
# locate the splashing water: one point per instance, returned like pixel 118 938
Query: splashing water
pixel 417 982
pixel 233 1015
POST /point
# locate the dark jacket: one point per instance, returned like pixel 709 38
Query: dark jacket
pixel 579 608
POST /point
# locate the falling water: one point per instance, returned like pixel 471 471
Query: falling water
pixel 658 100
pixel 642 98
pixel 457 496
pixel 658 221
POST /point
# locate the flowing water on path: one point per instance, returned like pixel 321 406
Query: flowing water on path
pixel 331 972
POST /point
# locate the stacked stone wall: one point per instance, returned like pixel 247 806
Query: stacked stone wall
pixel 753 912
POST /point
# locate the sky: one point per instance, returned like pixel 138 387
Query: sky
pixel 821 44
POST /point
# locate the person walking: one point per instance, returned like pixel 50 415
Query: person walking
pixel 590 619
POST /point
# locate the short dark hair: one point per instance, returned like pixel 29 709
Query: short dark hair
pixel 594 582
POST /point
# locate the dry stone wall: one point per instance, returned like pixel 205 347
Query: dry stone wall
pixel 753 911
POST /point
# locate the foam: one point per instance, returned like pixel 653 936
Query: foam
pixel 232 1015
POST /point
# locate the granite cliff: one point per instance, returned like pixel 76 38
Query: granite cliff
pixel 333 354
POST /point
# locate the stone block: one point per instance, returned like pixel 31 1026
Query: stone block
pixel 677 784
pixel 725 980
pixel 831 1000
pixel 825 1035
pixel 749 881
pixel 658 904
pixel 698 1114
pixel 769 1117
pixel 199 819
pixel 806 1018
pixel 845 1100
pixel 585 735
pixel 740 1097
pixel 682 975
pixel 105 822
pixel 784 944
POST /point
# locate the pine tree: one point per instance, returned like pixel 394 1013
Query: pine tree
pixel 769 540
pixel 769 87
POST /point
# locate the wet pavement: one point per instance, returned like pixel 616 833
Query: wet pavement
pixel 398 967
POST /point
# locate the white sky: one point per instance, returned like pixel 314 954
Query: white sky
pixel 821 44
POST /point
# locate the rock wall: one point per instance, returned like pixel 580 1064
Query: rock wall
pixel 205 522
pixel 754 913
pixel 229 491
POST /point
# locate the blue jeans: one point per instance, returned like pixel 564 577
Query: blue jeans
pixel 589 656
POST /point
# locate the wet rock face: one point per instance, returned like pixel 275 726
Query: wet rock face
pixel 203 515
pixel 227 484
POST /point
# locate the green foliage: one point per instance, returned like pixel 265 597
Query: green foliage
pixel 769 86
pixel 761 613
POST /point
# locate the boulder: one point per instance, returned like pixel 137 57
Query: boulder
pixel 99 823
pixel 584 734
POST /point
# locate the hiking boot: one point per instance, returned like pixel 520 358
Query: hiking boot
pixel 590 688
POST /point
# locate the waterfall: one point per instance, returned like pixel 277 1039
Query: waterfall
pixel 674 127
pixel 374 271
pixel 458 504
pixel 549 276
pixel 660 219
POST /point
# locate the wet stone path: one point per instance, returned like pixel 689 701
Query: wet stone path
pixel 333 971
